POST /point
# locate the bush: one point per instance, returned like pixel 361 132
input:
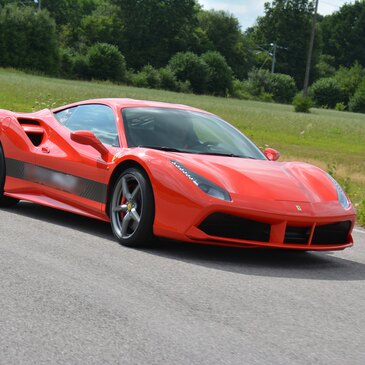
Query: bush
pixel 257 82
pixel 185 87
pixel 357 102
pixel 139 80
pixel 360 210
pixel 280 86
pixel 240 90
pixel 106 62
pixel 324 67
pixel 220 75
pixel 128 77
pixel 327 92
pixel 80 67
pixel 349 79
pixel 341 107
pixel 168 79
pixel 187 66
pixel 67 62
pixel 152 76
pixel 302 104
pixel 148 77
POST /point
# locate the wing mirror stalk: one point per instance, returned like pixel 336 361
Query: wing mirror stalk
pixel 88 138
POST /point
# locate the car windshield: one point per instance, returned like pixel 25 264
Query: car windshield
pixel 185 131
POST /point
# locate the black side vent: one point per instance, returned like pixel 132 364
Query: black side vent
pixel 33 130
pixel 298 235
pixel 332 234
pixel 28 121
pixel 36 139
pixel 229 226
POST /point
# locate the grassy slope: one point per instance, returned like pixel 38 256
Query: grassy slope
pixel 327 138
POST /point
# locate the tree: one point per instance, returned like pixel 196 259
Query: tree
pixel 68 15
pixel 219 73
pixel 154 30
pixel 223 32
pixel 102 25
pixel 344 32
pixel 288 23
pixel 357 101
pixel 187 66
pixel 28 39
pixel 349 79
pixel 69 11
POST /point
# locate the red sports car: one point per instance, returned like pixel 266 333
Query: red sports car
pixel 162 170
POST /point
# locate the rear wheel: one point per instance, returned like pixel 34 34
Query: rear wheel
pixel 132 209
pixel 5 201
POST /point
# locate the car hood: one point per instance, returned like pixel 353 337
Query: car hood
pixel 262 179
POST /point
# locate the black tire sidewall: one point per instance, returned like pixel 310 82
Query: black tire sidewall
pixel 2 170
pixel 5 201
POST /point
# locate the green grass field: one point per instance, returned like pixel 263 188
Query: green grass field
pixel 332 140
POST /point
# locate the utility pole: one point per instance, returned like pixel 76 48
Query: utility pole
pixel 39 2
pixel 274 45
pixel 310 51
pixel 275 48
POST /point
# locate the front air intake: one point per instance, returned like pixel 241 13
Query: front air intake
pixel 229 226
pixel 336 233
pixel 297 235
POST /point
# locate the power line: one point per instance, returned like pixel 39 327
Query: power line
pixel 271 54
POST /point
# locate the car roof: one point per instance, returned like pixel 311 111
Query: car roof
pixel 130 103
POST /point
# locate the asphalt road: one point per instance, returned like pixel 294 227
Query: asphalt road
pixel 69 294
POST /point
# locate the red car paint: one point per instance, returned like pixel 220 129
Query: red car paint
pixel 62 172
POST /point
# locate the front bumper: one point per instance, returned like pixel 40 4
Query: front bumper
pixel 278 224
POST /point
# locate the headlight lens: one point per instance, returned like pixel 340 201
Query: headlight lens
pixel 342 198
pixel 202 183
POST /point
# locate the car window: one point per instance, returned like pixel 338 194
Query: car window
pixel 96 118
pixel 64 115
pixel 187 131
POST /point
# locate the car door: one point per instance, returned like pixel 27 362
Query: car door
pixel 72 173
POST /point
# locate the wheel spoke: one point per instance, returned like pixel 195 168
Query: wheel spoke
pixel 125 187
pixel 120 208
pixel 125 224
pixel 135 216
pixel 135 193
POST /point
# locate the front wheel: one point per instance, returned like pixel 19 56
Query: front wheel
pixel 132 209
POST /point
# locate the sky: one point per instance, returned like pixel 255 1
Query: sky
pixel 248 10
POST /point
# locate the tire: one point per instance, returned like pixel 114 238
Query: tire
pixel 132 209
pixel 5 201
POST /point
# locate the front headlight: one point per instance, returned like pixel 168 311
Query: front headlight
pixel 202 183
pixel 342 198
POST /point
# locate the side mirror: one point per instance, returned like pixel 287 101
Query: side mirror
pixel 88 138
pixel 271 154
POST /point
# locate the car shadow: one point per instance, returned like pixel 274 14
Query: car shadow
pixel 265 262
pixel 257 262
pixel 62 218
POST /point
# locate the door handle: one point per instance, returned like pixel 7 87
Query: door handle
pixel 45 150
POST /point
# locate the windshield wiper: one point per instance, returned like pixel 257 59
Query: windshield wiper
pixel 173 149
pixel 164 148
pixel 225 154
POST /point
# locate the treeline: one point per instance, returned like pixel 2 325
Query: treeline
pixel 177 45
